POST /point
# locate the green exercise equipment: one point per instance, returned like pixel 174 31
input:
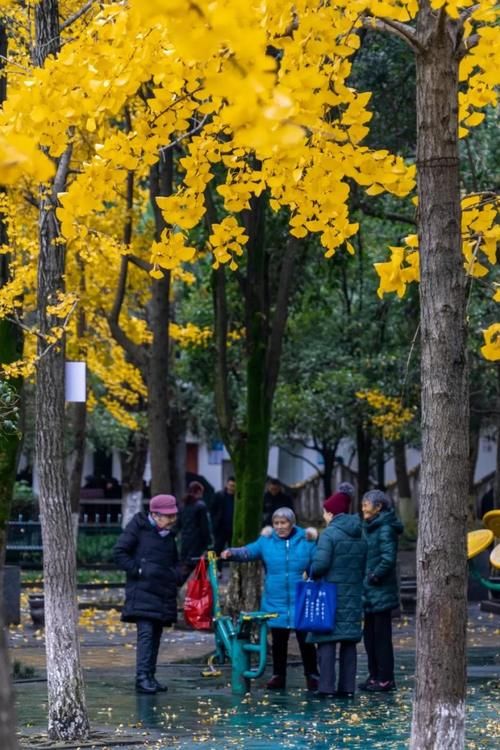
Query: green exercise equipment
pixel 233 640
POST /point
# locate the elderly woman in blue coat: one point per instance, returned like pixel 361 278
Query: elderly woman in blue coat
pixel 340 558
pixel 286 551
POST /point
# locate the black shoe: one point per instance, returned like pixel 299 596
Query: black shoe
pixel 144 684
pixel 381 687
pixel 322 695
pixel 343 694
pixel 366 684
pixel 159 687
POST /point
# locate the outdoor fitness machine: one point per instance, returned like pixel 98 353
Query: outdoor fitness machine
pixel 233 639
pixel 478 541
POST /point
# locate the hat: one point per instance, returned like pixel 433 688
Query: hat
pixel 337 503
pixel 165 504
pixel 346 488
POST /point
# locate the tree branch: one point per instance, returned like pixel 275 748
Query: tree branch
pixel 390 216
pixel 396 28
pixel 78 14
pixel 280 316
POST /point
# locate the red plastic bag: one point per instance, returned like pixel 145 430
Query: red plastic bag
pixel 198 602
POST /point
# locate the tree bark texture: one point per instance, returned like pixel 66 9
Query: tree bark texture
pixel 161 179
pixel 439 706
pixel 67 713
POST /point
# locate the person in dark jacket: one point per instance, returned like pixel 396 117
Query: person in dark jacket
pixel 340 558
pixel 274 498
pixel 147 551
pixel 286 551
pixel 222 515
pixel 194 526
pixel 381 529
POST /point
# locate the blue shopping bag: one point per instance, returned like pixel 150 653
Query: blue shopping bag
pixel 315 605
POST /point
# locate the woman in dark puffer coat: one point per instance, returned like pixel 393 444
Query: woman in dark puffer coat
pixel 147 551
pixel 381 529
pixel 340 558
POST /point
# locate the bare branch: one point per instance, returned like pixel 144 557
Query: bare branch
pixel 62 172
pixel 389 215
pixel 140 263
pixel 79 13
pixel 396 28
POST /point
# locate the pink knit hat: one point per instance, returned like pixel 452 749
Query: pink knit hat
pixel 337 503
pixel 165 504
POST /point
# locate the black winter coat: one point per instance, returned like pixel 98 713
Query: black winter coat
pixel 194 526
pixel 153 573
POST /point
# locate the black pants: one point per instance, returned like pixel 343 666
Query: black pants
pixel 280 638
pixel 347 666
pixel 148 644
pixel 377 636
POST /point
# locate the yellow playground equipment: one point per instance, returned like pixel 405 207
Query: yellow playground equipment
pixel 479 541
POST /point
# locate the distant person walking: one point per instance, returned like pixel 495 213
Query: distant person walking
pixel 275 497
pixel 194 525
pixel 286 551
pixel 381 529
pixel 222 515
pixel 340 558
pixel 147 551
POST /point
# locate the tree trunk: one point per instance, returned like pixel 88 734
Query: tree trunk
pixel 78 422
pixel 406 503
pixel 67 713
pixel 363 449
pixel 161 180
pixel 133 463
pixel 329 462
pixel 439 706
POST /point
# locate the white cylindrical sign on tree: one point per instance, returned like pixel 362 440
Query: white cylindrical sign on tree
pixel 75 381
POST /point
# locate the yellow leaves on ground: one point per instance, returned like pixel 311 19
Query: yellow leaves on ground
pixel 387 413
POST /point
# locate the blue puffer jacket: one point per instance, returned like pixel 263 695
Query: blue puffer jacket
pixel 285 560
pixel 381 590
pixel 341 558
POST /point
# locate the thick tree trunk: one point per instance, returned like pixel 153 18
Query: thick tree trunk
pixel 67 713
pixel 439 707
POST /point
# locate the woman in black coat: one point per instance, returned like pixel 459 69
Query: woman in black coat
pixel 194 525
pixel 147 551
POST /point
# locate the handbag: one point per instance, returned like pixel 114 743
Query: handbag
pixel 198 602
pixel 315 605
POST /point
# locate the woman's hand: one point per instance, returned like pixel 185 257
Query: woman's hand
pixel 226 554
